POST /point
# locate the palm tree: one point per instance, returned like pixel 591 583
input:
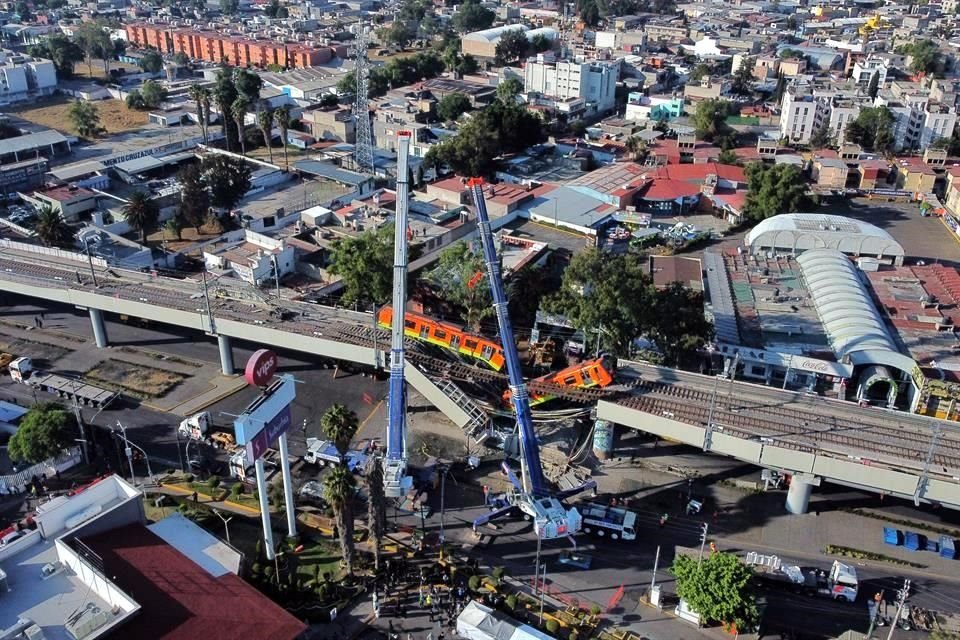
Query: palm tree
pixel 198 94
pixel 376 507
pixel 338 490
pixel 265 121
pixel 174 226
pixel 141 213
pixel 52 229
pixel 339 424
pixel 282 115
pixel 205 98
pixel 638 147
pixel 239 112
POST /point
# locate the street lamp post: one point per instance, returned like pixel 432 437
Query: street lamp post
pixel 179 453
pixel 86 245
pixel 128 451
pixel 226 523
pixel 443 484
pixel 276 272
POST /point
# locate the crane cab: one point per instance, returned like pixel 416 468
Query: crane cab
pixel 550 518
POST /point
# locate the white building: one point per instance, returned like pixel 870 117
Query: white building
pixel 863 70
pixel 253 259
pixel 23 77
pixel 803 111
pixel 918 121
pixel 799 115
pixel 594 81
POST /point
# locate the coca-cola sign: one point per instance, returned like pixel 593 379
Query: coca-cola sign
pixel 260 368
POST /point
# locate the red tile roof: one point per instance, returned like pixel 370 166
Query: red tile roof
pixel 698 172
pixel 670 190
pixel 179 599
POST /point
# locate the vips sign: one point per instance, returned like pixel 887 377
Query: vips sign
pixel 260 368
pixel 275 428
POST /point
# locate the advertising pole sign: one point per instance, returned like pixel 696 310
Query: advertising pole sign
pixel 276 427
pixel 260 368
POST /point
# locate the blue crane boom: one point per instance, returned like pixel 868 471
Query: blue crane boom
pixel 395 480
pixel 531 472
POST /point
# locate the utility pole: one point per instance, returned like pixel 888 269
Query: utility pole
pixel 276 273
pixel 226 524
pixel 536 569
pixel 656 563
pixel 206 296
pixel 902 596
pixel 543 590
pixel 93 275
pixel 443 484
pixel 703 541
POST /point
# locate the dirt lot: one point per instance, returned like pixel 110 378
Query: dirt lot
pixel 42 353
pixel 114 115
pixel 135 379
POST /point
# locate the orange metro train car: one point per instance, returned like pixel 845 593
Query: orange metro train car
pixel 447 336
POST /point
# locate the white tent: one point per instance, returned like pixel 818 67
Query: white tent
pixel 477 622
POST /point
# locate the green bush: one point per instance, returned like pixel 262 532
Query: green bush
pixel 236 490
pixel 512 603
pixel 595 610
pixel 188 477
pixel 552 626
pixel 214 482
pixel 498 573
pixel 474 583
pixel 573 635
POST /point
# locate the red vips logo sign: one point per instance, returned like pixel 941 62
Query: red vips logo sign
pixel 260 368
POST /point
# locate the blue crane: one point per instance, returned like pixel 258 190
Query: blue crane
pixel 396 482
pixel 531 494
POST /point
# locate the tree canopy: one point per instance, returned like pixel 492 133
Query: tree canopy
pixel 141 213
pixel 872 129
pixel 194 206
pixel 498 129
pixel 925 56
pixel 512 46
pixel 60 50
pixel 821 136
pixel 85 118
pixel 680 328
pixel 151 61
pixel 720 589
pixel 775 189
pixel 226 178
pixel 710 119
pixel 52 229
pixel 45 431
pixel 592 11
pixel 339 424
pixel 509 89
pixel 452 105
pixel 461 280
pixel 472 16
pixel 365 266
pixel 397 33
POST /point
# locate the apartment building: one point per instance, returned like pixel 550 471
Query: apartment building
pixel 863 70
pixel 805 108
pixel 330 123
pixel 212 46
pixel 595 81
pixel 24 77
pixel 918 120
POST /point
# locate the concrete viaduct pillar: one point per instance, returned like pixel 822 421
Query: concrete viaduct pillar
pixel 798 495
pixel 99 329
pixel 226 354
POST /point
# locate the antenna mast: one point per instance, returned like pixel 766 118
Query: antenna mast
pixel 363 146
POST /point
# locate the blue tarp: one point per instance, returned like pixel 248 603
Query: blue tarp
pixel 912 541
pixel 947 547
pixel 892 536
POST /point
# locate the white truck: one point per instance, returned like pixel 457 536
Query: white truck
pixel 604 520
pixel 20 369
pixel 839 582
pixel 324 452
pixel 200 427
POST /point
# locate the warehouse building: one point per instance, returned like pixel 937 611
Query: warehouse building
pixel 795 233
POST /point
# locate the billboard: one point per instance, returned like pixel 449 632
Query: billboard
pixel 277 426
pixel 263 411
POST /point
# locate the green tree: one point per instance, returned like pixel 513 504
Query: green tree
pixel 194 206
pixel 329 100
pixel 461 280
pixel 85 118
pixel 472 16
pixel 229 7
pixel 339 425
pixel 872 129
pixel 743 78
pixel 225 94
pixel 238 110
pixel 710 119
pixel 925 56
pixel 452 105
pixel 141 213
pixel 282 117
pixel 821 136
pixel 174 226
pixel 775 189
pixel 265 122
pixel 500 128
pixel 509 89
pixel 272 9
pixel 398 33
pixel 365 266
pixel 874 87
pixel 93 40
pixel 720 589
pixel 52 229
pixel 60 50
pixel 227 180
pixel 700 71
pixel 44 432
pixel 248 84
pixel 687 330
pixel 513 45
pixel 376 507
pixel 179 57
pixel 638 148
pixel 201 99
pixel 541 43
pixel 609 295
pixel 339 487
pixel 153 93
pixel 135 100
pixel 151 61
pixel 728 156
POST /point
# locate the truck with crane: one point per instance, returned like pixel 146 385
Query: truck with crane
pixel 839 582
pixel 530 495
pixel 602 520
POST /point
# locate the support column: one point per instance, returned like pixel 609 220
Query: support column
pixel 602 439
pixel 798 495
pixel 226 354
pixel 99 329
pixel 265 510
pixel 288 488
